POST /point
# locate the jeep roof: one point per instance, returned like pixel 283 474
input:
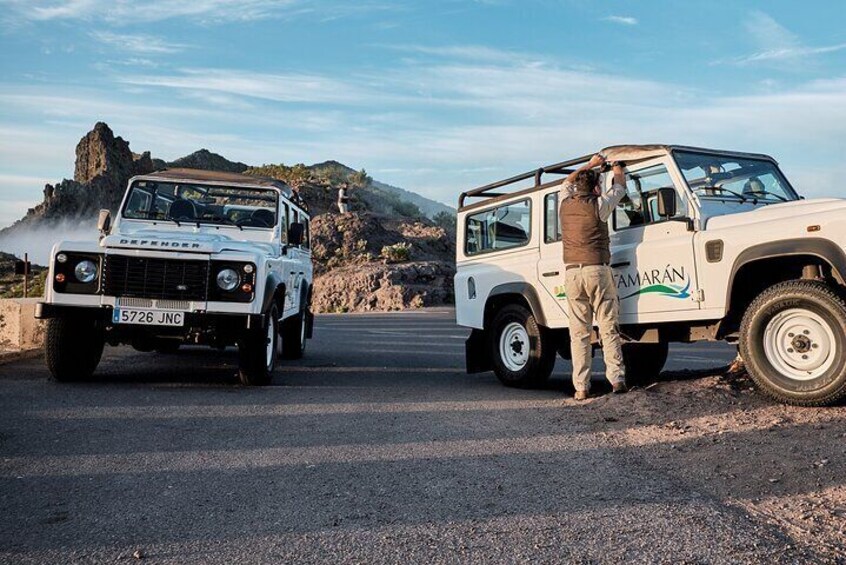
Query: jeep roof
pixel 629 153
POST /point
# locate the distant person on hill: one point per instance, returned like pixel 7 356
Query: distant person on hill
pixel 343 200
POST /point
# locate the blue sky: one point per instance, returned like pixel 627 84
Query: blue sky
pixel 435 96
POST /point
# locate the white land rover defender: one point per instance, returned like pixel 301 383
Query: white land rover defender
pixel 706 245
pixel 193 257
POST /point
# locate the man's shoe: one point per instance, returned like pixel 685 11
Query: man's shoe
pixel 619 388
pixel 580 395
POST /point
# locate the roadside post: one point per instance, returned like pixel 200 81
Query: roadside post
pixel 23 268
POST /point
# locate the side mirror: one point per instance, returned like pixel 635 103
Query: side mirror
pixel 104 222
pixel 667 202
pixel 296 233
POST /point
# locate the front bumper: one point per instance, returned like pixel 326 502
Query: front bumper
pixel 46 311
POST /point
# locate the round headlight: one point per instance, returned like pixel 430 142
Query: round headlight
pixel 228 279
pixel 85 271
pixel 61 258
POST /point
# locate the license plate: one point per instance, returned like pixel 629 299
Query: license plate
pixel 147 317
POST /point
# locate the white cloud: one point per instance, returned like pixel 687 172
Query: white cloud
pixel 312 88
pixel 437 126
pixel 775 43
pixel 623 20
pixel 138 43
pixel 120 12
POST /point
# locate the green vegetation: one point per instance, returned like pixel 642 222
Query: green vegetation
pixel 295 175
pixel 397 253
pixel 445 220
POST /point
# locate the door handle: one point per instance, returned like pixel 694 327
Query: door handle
pixel 551 274
pixel 621 264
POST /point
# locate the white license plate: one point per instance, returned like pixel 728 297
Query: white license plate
pixel 147 317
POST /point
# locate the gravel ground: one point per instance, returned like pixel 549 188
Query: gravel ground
pixel 378 448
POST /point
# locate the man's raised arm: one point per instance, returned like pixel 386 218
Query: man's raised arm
pixel 595 161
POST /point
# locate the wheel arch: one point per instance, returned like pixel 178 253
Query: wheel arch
pixel 761 266
pixel 274 292
pixel 514 293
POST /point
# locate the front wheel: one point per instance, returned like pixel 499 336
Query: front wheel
pixel 644 361
pixel 523 353
pixel 73 347
pixel 792 341
pixel 257 352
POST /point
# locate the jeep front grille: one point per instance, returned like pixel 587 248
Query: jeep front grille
pixel 161 279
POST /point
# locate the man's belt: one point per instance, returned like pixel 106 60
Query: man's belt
pixel 580 265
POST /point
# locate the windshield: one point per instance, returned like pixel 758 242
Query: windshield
pixel 728 177
pixel 201 204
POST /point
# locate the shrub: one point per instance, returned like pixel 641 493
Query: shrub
pixel 397 253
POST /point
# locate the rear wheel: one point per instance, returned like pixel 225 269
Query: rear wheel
pixel 792 341
pixel 73 348
pixel 257 352
pixel 644 361
pixel 523 354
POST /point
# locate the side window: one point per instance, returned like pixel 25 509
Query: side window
pixel 283 223
pixel 551 225
pixel 640 204
pixel 499 228
pixel 306 234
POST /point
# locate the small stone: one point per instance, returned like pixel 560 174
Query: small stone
pixel 138 554
pixel 774 480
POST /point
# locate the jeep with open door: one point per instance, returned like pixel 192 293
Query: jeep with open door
pixel 706 245
pixel 193 257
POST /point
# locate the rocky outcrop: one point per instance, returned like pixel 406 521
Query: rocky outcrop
pixel 356 269
pixel 208 161
pixel 104 165
pixel 380 286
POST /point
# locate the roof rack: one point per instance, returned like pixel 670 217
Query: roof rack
pixel 562 168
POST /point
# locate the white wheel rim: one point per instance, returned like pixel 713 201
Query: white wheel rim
pixel 514 346
pixel 271 343
pixel 800 344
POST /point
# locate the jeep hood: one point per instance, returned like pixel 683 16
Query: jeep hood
pixel 799 210
pixel 195 242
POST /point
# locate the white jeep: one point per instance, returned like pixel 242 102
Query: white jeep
pixel 706 245
pixel 193 257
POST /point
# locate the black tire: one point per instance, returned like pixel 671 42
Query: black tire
pixel 257 352
pixel 644 361
pixel 793 344
pixel 295 332
pixel 73 348
pixel 524 368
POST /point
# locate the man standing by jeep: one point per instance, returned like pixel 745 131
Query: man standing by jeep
pixel 589 283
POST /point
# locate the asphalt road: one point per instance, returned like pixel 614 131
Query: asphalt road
pixel 376 447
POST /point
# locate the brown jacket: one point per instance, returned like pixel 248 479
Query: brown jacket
pixel 583 233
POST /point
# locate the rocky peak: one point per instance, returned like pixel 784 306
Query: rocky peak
pixel 208 161
pixel 101 153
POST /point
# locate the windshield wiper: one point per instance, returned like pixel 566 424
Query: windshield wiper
pixel 721 189
pixel 227 221
pixel 768 193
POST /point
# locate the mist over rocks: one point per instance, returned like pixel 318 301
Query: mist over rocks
pixel 386 254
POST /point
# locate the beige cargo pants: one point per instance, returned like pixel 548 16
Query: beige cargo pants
pixel 592 295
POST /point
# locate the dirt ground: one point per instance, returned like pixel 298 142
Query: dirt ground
pixel 782 464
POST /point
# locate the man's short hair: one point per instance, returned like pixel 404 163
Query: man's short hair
pixel 586 181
